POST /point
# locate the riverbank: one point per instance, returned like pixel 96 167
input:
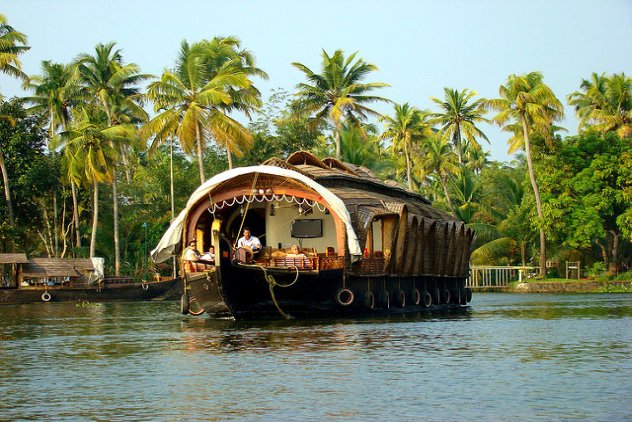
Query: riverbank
pixel 571 286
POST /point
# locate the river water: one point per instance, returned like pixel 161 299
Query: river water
pixel 507 356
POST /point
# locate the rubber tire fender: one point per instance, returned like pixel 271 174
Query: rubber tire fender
pixel 400 298
pixel 46 297
pixel 415 296
pixel 385 299
pixel 369 300
pixel 344 296
pixel 426 299
pixel 469 294
pixel 184 303
pixel 446 296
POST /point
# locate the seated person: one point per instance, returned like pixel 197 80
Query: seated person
pixel 193 256
pixel 295 252
pixel 250 243
pixel 209 257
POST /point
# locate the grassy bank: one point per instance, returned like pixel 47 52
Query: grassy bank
pixel 563 285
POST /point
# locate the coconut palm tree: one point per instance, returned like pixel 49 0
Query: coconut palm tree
pixel 115 86
pixel 458 119
pixel 605 102
pixel 526 100
pixel 54 90
pixel 407 127
pixel 440 162
pixel 337 94
pixel 91 148
pixel 12 44
pixel 210 79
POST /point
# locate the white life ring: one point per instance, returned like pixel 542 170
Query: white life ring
pixel 46 297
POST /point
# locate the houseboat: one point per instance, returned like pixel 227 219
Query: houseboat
pixel 366 246
pixel 33 280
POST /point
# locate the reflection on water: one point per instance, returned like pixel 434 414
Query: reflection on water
pixel 506 356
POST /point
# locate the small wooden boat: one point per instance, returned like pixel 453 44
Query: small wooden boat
pixel 367 247
pixel 64 279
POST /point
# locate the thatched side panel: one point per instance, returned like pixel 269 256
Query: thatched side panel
pixel 448 265
pixel 419 251
pixel 469 241
pixel 401 241
pixel 413 245
pixel 429 246
pixel 460 249
pixel 440 244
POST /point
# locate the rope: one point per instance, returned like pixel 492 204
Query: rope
pixel 272 283
pixel 243 217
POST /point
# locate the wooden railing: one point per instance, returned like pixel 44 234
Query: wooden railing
pixel 484 276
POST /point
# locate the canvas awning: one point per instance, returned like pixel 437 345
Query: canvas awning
pixel 172 237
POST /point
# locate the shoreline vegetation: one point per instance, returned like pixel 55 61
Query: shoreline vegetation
pixel 563 285
pixel 98 157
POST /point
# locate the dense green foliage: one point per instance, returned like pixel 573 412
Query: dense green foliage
pixel 80 152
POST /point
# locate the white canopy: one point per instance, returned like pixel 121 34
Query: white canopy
pixel 172 237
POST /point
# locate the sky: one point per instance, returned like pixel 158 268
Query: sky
pixel 419 46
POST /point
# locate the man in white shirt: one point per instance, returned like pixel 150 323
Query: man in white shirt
pixel 249 242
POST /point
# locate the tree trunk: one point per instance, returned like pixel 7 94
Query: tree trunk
pixel 7 191
pixel 200 152
pixel 173 206
pixel 230 158
pixel 408 170
pixel 115 218
pixel 459 146
pixel 75 213
pixel 613 267
pixel 447 196
pixel 95 218
pixel 536 193
pixel 337 141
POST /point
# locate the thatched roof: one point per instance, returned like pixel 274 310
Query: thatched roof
pixel 13 258
pixel 57 267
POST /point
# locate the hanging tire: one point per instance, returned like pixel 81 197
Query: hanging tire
pixel 196 309
pixel 426 299
pixel 46 297
pixel 469 294
pixel 344 297
pixel 369 300
pixel 385 299
pixel 184 303
pixel 464 296
pixel 455 296
pixel 437 297
pixel 400 298
pixel 415 297
pixel 446 296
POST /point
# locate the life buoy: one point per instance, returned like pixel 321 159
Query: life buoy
pixel 344 297
pixel 46 297
pixel 446 296
pixel 400 298
pixel 426 299
pixel 385 300
pixel 416 296
pixel 469 294
pixel 369 300
pixel 184 304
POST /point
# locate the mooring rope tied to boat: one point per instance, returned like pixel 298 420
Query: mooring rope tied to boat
pixel 271 283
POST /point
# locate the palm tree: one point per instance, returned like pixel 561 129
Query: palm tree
pixel 441 162
pixel 337 92
pixel 114 86
pixel 528 101
pixel 193 99
pixel 91 149
pixel 459 117
pixel 53 92
pixel 408 126
pixel 605 102
pixel 12 44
